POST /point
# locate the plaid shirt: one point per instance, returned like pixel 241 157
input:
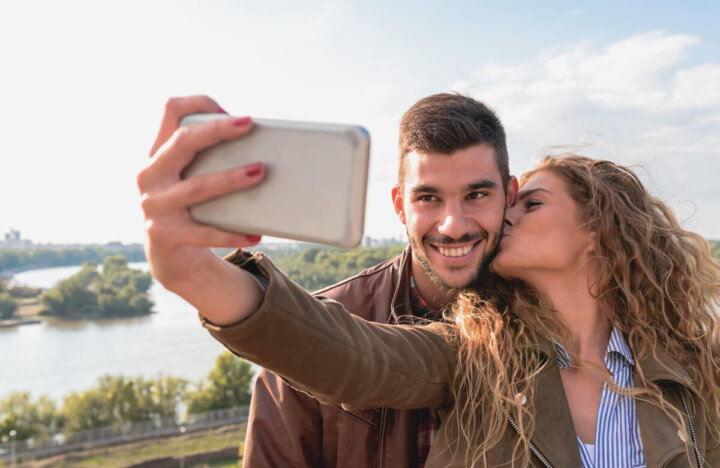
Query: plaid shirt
pixel 426 418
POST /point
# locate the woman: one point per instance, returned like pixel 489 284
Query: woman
pixel 605 330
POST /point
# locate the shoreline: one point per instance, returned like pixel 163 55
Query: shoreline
pixel 10 323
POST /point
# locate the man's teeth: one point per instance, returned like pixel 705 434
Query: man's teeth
pixel 455 252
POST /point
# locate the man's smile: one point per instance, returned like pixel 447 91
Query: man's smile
pixel 455 250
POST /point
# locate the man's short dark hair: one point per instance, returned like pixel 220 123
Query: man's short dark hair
pixel 448 122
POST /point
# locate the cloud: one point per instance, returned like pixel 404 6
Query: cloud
pixel 635 96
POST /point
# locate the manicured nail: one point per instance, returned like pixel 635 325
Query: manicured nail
pixel 253 170
pixel 241 121
pixel 221 110
pixel 253 239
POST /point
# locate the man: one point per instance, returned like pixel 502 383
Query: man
pixel 453 187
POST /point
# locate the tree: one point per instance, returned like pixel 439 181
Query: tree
pixel 72 298
pixel 227 385
pixel 117 400
pixel 8 305
pixel 29 418
pixel 118 291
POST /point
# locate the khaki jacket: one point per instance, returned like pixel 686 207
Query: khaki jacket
pixel 288 427
pixel 341 359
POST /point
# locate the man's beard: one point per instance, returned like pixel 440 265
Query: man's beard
pixel 478 236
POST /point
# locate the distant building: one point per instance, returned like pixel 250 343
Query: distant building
pixel 14 241
pixel 12 236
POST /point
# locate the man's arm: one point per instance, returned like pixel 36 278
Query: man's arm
pixel 285 426
pixel 177 248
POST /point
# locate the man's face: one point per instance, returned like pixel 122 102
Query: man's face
pixel 453 208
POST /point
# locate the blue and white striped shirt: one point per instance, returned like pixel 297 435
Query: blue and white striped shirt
pixel 617 434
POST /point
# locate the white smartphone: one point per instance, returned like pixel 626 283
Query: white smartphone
pixel 315 184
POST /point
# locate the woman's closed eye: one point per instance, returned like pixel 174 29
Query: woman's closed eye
pixel 531 204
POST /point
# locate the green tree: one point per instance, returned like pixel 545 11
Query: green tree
pixel 227 385
pixel 118 291
pixel 117 399
pixel 42 258
pixel 8 305
pixel 317 267
pixel 71 298
pixel 29 418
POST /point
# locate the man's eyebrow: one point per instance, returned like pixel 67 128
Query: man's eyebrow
pixel 479 185
pixel 424 189
pixel 527 193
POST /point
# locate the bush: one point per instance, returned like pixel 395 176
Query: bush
pixel 8 305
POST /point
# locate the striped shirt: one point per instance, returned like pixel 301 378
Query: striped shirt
pixel 617 434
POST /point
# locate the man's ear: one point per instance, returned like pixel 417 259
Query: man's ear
pixel 397 198
pixel 512 191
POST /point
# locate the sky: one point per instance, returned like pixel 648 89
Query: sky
pixel 83 85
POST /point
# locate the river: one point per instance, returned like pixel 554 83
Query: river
pixel 55 358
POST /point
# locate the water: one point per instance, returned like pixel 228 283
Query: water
pixel 54 358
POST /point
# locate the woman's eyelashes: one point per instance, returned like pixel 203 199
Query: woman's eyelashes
pixel 530 204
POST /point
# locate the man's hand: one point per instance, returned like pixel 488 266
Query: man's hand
pixel 177 248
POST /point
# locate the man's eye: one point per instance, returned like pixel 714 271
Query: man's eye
pixel 477 195
pixel 426 198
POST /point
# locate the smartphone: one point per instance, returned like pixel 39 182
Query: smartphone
pixel 315 184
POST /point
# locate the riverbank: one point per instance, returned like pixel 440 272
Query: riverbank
pixel 27 314
pixel 17 322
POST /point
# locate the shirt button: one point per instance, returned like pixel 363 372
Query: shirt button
pixel 681 435
pixel 521 398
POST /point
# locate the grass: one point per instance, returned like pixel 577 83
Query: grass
pixel 129 454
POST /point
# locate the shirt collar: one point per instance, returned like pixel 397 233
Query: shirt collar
pixel 420 308
pixel 617 345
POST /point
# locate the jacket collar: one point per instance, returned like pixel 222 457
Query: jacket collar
pixel 400 305
pixel 553 422
pixel 660 367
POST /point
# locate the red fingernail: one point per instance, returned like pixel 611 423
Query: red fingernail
pixel 253 169
pixel 253 239
pixel 221 110
pixel 241 121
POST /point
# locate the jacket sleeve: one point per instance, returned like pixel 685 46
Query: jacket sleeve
pixel 285 426
pixel 319 348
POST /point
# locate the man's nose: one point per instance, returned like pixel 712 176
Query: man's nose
pixel 455 222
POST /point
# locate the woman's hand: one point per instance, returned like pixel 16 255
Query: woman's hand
pixel 177 248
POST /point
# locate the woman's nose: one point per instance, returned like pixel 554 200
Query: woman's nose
pixel 512 215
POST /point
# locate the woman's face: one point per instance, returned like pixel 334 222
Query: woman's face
pixel 543 234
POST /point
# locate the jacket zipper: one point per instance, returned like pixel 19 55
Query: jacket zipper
pixel 698 458
pixel 533 449
pixel 381 434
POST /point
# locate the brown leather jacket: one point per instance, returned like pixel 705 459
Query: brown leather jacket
pixel 317 347
pixel 289 428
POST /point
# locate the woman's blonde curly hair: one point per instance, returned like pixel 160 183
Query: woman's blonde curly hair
pixel 655 281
